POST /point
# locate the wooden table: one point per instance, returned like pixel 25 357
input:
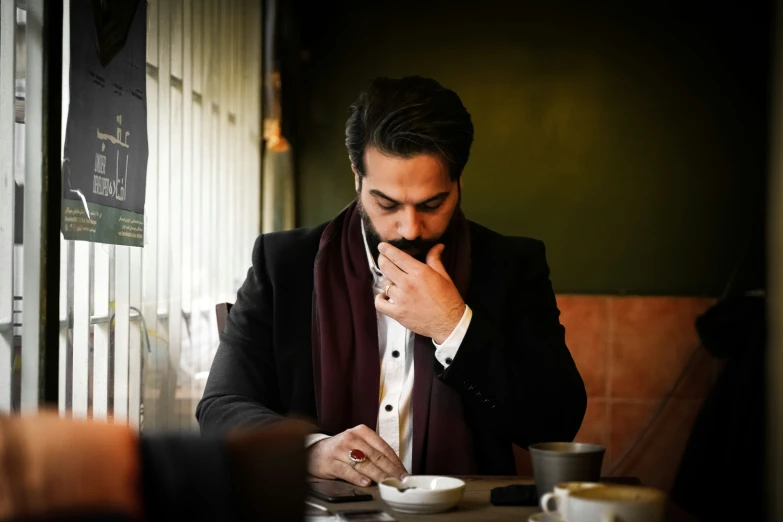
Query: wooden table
pixel 474 506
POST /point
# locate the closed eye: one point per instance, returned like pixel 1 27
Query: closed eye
pixel 388 204
pixel 430 207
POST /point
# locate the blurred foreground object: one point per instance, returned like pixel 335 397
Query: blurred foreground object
pixel 62 469
pixel 51 466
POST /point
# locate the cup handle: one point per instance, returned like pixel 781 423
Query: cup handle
pixel 545 502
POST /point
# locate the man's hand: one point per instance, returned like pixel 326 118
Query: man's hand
pixel 422 297
pixel 329 458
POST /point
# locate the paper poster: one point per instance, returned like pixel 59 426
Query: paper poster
pixel 105 160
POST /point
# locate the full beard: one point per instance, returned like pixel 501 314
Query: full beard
pixel 417 248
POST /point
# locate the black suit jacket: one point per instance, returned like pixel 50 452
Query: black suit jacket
pixel 513 370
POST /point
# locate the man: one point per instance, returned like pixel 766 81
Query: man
pixel 419 341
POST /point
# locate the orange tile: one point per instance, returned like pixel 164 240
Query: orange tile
pixel 523 462
pixel 627 421
pixel 656 457
pixel 595 426
pixel 652 338
pixel 586 322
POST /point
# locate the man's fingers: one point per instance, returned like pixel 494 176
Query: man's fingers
pixel 346 472
pixel 384 306
pixel 392 468
pixel 370 437
pixel 391 290
pixel 434 261
pixel 390 271
pixel 395 466
pixel 369 468
pixel 407 263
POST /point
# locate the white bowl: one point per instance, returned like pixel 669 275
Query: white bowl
pixel 432 494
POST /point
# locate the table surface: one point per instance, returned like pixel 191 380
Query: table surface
pixel 474 505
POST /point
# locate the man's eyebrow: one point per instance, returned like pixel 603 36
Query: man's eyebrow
pixel 379 194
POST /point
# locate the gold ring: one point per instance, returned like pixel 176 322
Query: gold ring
pixel 386 290
pixel 357 457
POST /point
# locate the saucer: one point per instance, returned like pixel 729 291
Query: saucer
pixel 422 494
pixel 545 517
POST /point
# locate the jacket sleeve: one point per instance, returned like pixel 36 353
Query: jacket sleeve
pixel 519 376
pixel 242 386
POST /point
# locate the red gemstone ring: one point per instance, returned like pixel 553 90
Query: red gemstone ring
pixel 357 457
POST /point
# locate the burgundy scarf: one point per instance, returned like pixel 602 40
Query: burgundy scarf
pixel 346 359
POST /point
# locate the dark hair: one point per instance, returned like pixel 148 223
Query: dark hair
pixel 406 117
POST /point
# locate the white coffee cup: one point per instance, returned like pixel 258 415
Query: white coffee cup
pixel 615 503
pixel 560 494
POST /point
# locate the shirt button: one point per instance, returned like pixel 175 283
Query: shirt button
pixel 389 407
pixel 448 360
pixel 395 354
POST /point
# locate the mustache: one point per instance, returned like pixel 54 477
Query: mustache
pixel 418 245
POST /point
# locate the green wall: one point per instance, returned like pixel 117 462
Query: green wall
pixel 633 145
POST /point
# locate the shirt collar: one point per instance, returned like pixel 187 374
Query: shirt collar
pixel 376 272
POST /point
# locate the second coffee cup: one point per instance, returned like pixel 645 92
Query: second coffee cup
pixel 556 462
pixel 555 502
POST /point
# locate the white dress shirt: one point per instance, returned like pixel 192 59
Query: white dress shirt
pixel 395 342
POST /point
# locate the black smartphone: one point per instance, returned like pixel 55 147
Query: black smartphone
pixel 331 491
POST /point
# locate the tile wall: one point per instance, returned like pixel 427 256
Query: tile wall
pixel 633 353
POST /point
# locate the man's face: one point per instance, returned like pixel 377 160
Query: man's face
pixel 407 203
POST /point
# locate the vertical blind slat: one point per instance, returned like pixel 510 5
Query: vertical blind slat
pixel 7 189
pixel 163 355
pixel 65 266
pixel 224 274
pixel 197 35
pixel 100 376
pixel 188 155
pixel 234 148
pixel 62 365
pixel 175 254
pixel 175 61
pixel 152 32
pixel 121 331
pixel 81 328
pixel 205 216
pixel 175 214
pixel 197 10
pixel 33 202
pixel 149 304
pixel 214 171
pixel 135 344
